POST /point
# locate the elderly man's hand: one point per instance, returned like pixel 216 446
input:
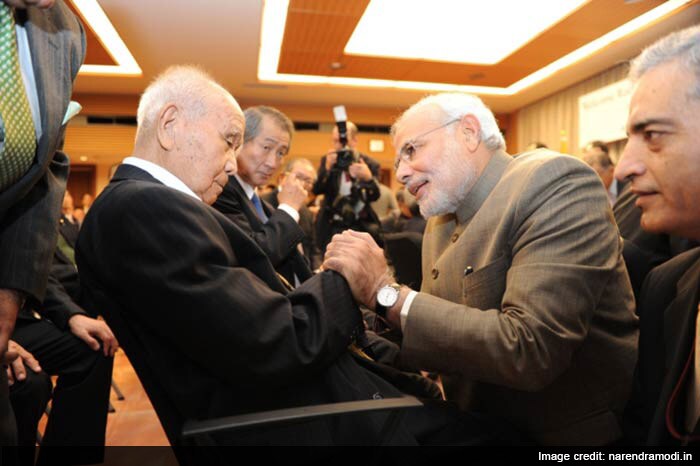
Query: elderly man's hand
pixel 91 330
pixel 357 257
pixel 17 358
pixel 10 301
pixel 292 192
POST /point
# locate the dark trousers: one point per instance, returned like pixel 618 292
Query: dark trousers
pixel 8 430
pixel 29 398
pixel 81 396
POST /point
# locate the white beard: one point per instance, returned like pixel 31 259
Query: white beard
pixel 449 187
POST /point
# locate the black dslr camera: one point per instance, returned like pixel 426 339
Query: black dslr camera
pixel 344 207
pixel 346 156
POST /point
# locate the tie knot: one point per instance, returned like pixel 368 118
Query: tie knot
pixel 7 16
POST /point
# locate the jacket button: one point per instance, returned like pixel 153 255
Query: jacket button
pixel 435 273
pixel 455 237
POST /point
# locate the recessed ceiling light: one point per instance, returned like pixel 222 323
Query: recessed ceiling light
pixel 95 16
pixel 481 33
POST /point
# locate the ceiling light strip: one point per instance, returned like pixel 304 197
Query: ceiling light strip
pixel 95 16
pixel 598 44
pixel 272 33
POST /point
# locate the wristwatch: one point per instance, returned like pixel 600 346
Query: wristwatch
pixel 387 297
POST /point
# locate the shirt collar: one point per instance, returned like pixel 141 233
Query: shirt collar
pixel 160 174
pixel 249 190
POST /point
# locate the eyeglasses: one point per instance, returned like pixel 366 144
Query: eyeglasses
pixel 408 150
pixel 305 180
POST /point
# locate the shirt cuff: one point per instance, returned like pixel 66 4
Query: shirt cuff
pixel 290 210
pixel 406 307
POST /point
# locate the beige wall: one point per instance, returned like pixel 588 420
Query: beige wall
pixel 554 120
pixel 106 145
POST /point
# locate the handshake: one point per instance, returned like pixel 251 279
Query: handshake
pixel 356 256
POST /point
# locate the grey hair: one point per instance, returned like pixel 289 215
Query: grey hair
pixel 289 166
pixel 455 105
pixel 183 84
pixel 254 116
pixel 683 45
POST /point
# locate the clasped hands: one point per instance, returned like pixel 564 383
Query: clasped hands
pixel 357 257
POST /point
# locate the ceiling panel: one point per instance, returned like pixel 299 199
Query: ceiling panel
pixel 321 30
pixel 223 36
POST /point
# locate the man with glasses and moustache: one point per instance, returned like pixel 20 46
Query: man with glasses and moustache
pixel 525 307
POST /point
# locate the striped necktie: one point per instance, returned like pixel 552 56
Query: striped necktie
pixel 17 137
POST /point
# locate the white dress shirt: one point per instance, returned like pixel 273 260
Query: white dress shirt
pixel 160 174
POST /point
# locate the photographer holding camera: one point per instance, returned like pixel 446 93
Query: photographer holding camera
pixel 346 178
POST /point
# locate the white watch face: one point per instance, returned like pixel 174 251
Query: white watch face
pixel 387 296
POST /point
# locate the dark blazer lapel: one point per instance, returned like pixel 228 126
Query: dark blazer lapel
pixel 679 318
pixel 679 335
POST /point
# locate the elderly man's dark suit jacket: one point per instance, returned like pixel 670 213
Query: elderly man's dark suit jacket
pixel 278 237
pixel 667 311
pixel 222 334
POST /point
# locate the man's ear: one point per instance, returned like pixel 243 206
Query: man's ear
pixel 470 129
pixel 168 117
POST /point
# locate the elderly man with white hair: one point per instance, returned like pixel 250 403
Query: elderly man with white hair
pixel 525 307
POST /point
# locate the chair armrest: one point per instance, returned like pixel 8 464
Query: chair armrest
pixel 291 415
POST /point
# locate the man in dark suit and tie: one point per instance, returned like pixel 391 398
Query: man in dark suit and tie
pixel 268 135
pixel 40 59
pixel 662 162
pixel 222 333
pixel 304 171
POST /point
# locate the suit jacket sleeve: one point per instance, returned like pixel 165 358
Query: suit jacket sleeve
pixel 188 280
pixel 278 238
pixel 561 254
pixel 59 306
